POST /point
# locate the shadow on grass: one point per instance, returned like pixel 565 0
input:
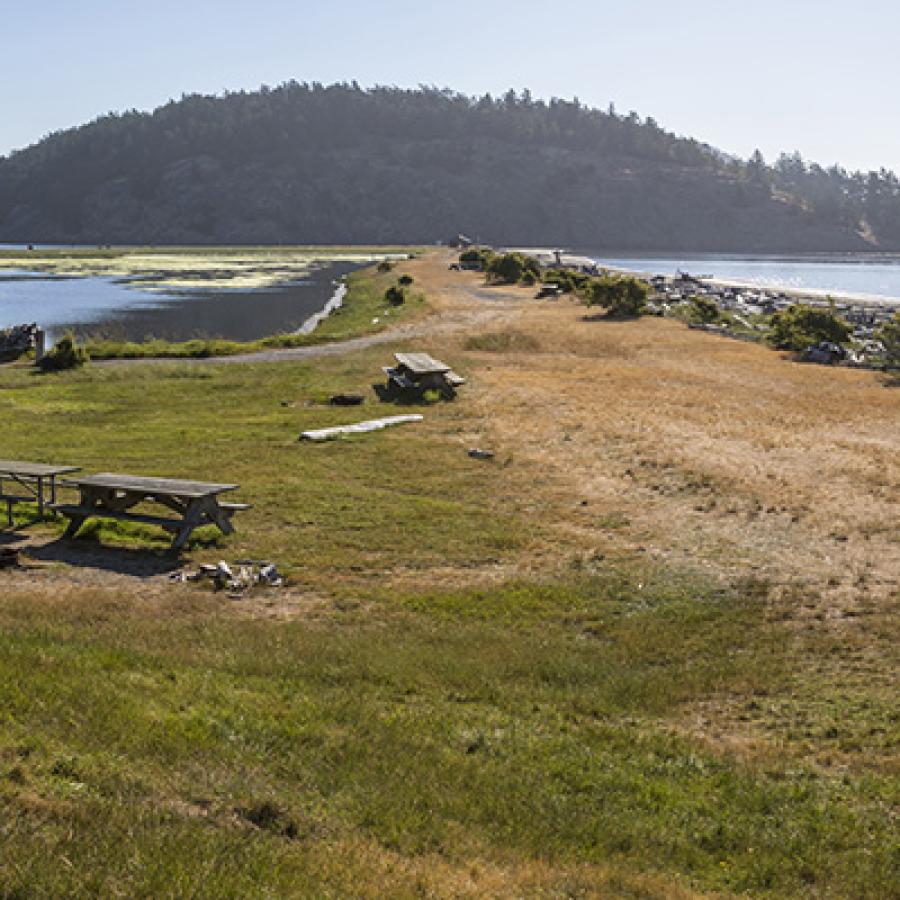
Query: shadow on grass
pixel 90 554
pixel 605 317
pixel 409 398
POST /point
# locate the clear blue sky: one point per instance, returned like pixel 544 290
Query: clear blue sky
pixel 819 77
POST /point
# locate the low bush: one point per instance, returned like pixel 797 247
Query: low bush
pixel 623 297
pixel 801 326
pixel 66 354
pixel 703 310
pixel 395 295
pixel 511 268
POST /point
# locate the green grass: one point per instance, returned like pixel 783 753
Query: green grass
pixel 404 497
pixel 393 739
pixel 194 754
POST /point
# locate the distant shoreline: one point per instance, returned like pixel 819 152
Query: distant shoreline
pixel 857 298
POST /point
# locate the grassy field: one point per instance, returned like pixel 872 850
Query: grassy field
pixel 474 684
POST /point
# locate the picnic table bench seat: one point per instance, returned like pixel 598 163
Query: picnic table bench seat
pixel 113 496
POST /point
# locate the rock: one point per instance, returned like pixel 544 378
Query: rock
pixel 346 400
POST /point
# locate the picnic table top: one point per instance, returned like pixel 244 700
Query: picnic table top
pixel 34 470
pixel 421 363
pixel 167 487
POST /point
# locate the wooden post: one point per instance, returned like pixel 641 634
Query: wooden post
pixel 40 344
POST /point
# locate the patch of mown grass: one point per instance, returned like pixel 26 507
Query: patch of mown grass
pixel 502 342
pixel 171 753
pixel 364 311
pixel 399 498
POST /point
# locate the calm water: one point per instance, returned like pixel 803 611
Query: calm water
pixel 876 278
pixel 111 307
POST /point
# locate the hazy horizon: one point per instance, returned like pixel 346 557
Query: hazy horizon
pixel 811 78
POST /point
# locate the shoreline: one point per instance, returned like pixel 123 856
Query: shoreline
pixel 817 295
pixel 335 302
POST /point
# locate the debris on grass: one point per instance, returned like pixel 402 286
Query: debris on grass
pixel 327 434
pixel 237 582
pixel 475 453
pixel 346 399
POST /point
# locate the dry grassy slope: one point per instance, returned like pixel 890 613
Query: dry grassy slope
pixel 690 446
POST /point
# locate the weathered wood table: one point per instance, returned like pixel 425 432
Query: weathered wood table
pixel 419 372
pixel 113 496
pixel 33 479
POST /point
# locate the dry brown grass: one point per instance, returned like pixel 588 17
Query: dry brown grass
pixel 714 452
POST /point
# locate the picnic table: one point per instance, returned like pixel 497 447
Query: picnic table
pixel 112 496
pixel 421 372
pixel 34 479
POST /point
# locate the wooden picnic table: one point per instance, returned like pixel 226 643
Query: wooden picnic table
pixel 33 478
pixel 113 496
pixel 421 372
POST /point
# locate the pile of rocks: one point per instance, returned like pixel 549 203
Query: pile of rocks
pixel 237 581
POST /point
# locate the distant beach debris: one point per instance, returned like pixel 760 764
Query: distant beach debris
pixel 19 340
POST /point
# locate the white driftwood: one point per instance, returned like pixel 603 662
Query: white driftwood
pixel 327 434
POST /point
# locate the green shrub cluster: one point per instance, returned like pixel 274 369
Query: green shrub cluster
pixel 703 310
pixel 512 268
pixel 569 280
pixel 622 296
pixel 65 354
pixel 801 326
pixel 889 335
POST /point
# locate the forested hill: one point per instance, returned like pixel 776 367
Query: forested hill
pixel 313 164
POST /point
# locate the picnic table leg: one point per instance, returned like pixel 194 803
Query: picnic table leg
pixel 86 498
pixel 40 497
pixel 199 512
pixel 193 516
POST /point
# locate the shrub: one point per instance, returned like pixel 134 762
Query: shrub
pixel 703 310
pixel 405 280
pixel 66 354
pixel 395 295
pixel 386 265
pixel 511 268
pixel 479 257
pixel 801 326
pixel 889 335
pixel 623 297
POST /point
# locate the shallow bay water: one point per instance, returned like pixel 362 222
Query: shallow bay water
pixel 124 310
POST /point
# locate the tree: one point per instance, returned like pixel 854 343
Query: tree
pixel 889 335
pixel 801 326
pixel 510 268
pixel 704 310
pixel 623 297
